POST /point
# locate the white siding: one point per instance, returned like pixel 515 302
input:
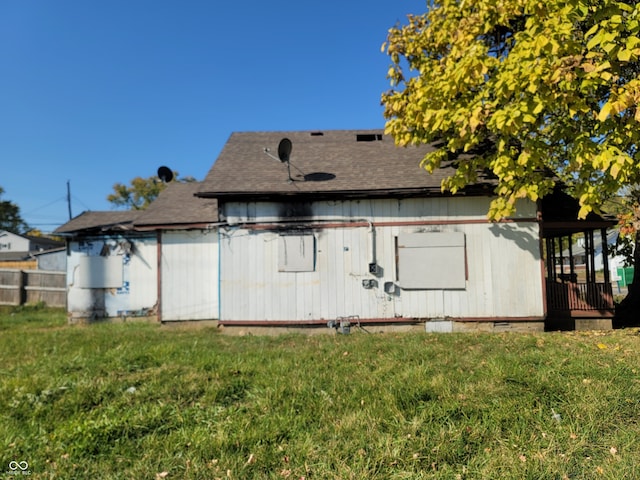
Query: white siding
pixel 378 210
pixel 503 263
pixel 189 275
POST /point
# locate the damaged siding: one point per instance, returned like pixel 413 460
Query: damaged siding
pixel 111 276
pixel 502 264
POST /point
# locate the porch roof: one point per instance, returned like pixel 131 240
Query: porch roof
pixel 560 217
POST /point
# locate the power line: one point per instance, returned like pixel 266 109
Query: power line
pixel 44 206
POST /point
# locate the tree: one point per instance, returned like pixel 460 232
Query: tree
pixel 541 91
pixel 141 192
pixel 10 219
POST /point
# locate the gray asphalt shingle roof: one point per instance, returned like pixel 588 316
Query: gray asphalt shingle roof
pixel 344 162
pixel 110 220
pixel 177 205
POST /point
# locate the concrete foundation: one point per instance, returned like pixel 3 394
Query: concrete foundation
pixel 582 324
pixel 497 327
pixel 431 326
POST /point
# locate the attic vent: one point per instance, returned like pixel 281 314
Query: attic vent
pixel 317 134
pixel 368 137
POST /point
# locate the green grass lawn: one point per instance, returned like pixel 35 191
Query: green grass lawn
pixel 138 401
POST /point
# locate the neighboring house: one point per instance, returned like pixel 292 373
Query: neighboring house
pixel 352 228
pixel 16 248
pixel 581 251
pixel 145 263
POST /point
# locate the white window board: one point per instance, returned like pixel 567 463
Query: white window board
pixel 431 261
pixel 100 272
pixel 296 253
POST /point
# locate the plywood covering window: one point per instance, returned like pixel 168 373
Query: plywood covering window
pixel 100 272
pixel 431 260
pixel 296 253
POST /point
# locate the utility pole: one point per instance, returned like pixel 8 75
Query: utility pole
pixel 69 199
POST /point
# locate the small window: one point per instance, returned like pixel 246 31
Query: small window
pixel 432 261
pixel 296 253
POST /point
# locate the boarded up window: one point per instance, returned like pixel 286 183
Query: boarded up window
pixel 100 272
pixel 434 260
pixel 296 253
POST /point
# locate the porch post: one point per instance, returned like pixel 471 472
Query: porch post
pixel 560 251
pixel 552 259
pixel 592 258
pixel 587 257
pixel 572 263
pixel 605 256
pixel 549 262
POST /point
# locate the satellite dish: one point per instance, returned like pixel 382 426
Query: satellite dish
pixel 284 150
pixel 165 174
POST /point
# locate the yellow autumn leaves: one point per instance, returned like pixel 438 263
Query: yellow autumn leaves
pixel 557 81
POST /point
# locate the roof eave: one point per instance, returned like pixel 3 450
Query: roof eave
pixel 177 226
pixel 474 190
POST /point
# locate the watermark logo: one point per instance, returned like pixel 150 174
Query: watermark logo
pixel 18 468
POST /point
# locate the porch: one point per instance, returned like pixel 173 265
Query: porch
pixel 580 300
pixel 575 292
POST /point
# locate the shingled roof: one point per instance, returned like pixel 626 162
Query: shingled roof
pixel 177 207
pixel 322 163
pixel 99 222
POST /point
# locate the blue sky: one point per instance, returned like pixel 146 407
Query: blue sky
pixel 98 92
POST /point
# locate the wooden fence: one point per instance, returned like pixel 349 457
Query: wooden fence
pixel 19 287
pixel 19 265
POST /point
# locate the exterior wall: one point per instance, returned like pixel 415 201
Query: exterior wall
pixel 136 294
pixel 503 266
pixel 189 277
pixel 54 261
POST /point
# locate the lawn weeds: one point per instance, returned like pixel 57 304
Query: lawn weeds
pixel 135 400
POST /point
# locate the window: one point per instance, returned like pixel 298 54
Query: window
pixel 296 253
pixel 433 260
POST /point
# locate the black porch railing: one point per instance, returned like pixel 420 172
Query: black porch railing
pixel 573 298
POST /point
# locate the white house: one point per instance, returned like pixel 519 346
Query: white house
pixel 331 228
pixel 350 227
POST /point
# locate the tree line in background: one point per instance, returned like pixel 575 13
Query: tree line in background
pixel 10 219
